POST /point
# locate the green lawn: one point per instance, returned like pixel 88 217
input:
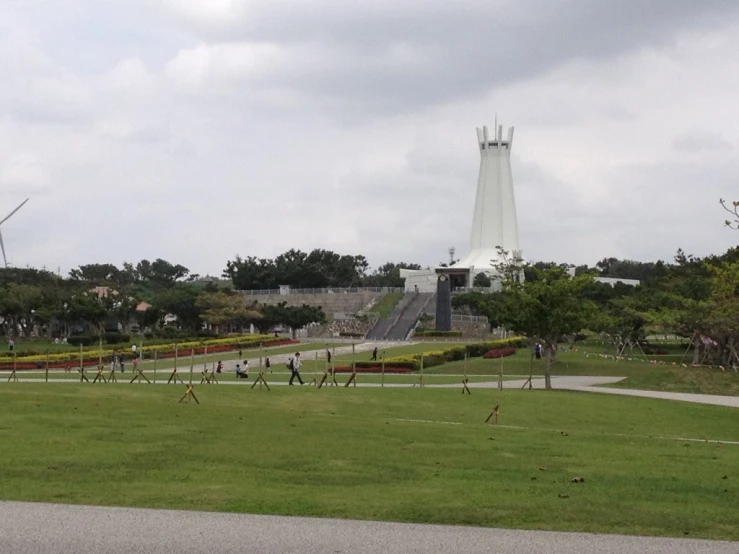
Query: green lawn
pixel 681 379
pixel 385 454
pixel 387 304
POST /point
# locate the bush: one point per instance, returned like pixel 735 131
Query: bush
pixel 170 332
pixel 115 337
pixel 435 333
pixel 207 334
pixel 82 340
pixel 499 352
pixel 480 348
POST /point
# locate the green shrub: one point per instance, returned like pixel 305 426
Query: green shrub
pixel 435 333
pixel 115 337
pixel 413 365
pixel 82 340
pixel 475 350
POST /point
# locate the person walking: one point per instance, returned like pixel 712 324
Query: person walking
pixel 328 355
pixel 219 367
pixel 267 365
pixel 294 365
pixel 374 355
pixel 122 361
pixel 245 369
pixel 113 362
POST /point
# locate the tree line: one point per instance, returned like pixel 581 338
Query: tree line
pixel 694 298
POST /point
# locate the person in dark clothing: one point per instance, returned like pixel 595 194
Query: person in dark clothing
pixel 294 365
pixel 374 355
pixel 328 355
pixel 267 365
pixel 219 367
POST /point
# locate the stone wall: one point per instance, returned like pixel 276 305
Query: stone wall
pixel 346 302
pixel 342 327
pixel 469 329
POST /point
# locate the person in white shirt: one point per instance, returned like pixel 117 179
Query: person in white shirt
pixel 294 366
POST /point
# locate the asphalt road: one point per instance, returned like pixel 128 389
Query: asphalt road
pixel 29 528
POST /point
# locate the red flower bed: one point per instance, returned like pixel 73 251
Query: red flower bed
pixel 499 352
pixel 378 369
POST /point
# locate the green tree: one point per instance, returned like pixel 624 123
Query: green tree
pixel 180 300
pixel 220 308
pixel 547 309
pixel 482 280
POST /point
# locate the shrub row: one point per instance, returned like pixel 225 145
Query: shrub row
pixel 243 341
pixel 435 333
pixel 438 357
pixel 374 368
pixel 110 337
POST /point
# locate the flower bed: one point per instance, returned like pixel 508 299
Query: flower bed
pixel 373 369
pixel 91 357
pixel 499 353
pixel 438 357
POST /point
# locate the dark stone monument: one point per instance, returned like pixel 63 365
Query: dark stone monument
pixel 443 303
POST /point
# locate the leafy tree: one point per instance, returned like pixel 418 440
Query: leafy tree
pixel 388 275
pixel 547 308
pixel 482 280
pixel 295 317
pixel 220 308
pixel 180 300
pixel 96 274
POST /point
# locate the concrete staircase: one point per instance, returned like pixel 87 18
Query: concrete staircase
pixel 381 328
pixel 401 328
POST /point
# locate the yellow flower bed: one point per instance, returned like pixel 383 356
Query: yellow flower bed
pixel 242 340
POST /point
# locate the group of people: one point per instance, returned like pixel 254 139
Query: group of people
pixel 119 360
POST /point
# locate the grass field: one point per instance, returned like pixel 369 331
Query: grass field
pixel 387 303
pixel 386 454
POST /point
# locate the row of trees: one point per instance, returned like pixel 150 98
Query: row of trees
pixel 97 297
pixel 317 269
pixel 694 298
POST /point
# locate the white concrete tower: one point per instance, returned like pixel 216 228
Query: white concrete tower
pixel 494 222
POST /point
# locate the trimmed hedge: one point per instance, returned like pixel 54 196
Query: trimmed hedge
pixel 438 357
pixel 374 368
pixel 164 350
pixel 435 333
pixel 77 340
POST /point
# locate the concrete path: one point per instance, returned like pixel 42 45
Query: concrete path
pixel 55 528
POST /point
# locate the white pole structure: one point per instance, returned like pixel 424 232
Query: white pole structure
pixel 6 218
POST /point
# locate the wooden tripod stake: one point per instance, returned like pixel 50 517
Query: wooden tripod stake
pixel 139 372
pixel 100 376
pixel 260 377
pixel 353 378
pixel 314 382
pixel 175 375
pixel 465 380
pixel 83 377
pixel 494 413
pixel 189 393
pixel 13 376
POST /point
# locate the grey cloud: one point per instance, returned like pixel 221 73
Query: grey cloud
pixel 701 141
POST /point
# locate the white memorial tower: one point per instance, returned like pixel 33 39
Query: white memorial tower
pixel 494 222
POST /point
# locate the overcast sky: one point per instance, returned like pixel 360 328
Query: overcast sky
pixel 193 130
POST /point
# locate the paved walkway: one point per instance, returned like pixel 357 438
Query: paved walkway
pixel 55 528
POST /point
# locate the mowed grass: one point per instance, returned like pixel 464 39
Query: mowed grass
pixel 383 454
pixel 680 379
pixel 387 304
